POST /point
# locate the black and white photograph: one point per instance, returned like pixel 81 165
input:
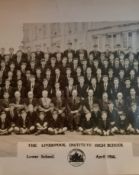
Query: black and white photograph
pixel 69 81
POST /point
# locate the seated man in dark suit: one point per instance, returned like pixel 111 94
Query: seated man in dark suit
pixel 56 124
pixel 133 116
pixel 123 124
pixel 104 124
pixel 41 123
pixel 89 101
pixel 73 110
pixel 13 119
pixel 32 115
pixel 113 116
pixel 24 125
pixel 86 124
pixel 5 101
pixel 4 124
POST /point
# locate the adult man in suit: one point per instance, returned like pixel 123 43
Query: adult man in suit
pixel 32 86
pixel 56 124
pixel 4 124
pixel 73 109
pixel 95 52
pixel 21 89
pixel 20 57
pixel 107 51
pixel 30 100
pixel 105 86
pixel 115 88
pixel 58 78
pixel 104 124
pixel 7 88
pixel 82 88
pixel 18 101
pixel 81 50
pixel 2 53
pixel 89 102
pixel 39 54
pixel 12 55
pixel 69 49
pixel 118 51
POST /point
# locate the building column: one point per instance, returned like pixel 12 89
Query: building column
pixel 118 38
pixel 134 40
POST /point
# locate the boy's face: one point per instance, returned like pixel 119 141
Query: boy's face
pixel 17 95
pixel 41 116
pixel 111 106
pixel 70 55
pixel 55 115
pixel 104 115
pixel 23 114
pixel 78 70
pixel 3 116
pixel 117 63
pixel 68 71
pixel 110 72
pixel 116 81
pixel 57 85
pixel 11 107
pixel 122 117
pixel 121 73
pixel 44 94
pixel 89 71
pixel 45 82
pixel 74 93
pixel 81 80
pixel 93 81
pixel 90 93
pixel 120 96
pixel 58 94
pixel 134 107
pixel 57 71
pixel 111 57
pixel 88 116
pixel 71 81
pixel 23 66
pixel 96 108
pixel 30 95
pixel 96 63
pixel 91 57
pixel 105 96
pixel 32 79
pixel 38 71
pixel 18 73
pixel 12 66
pixel 99 72
pixel 132 92
pixel 30 108
pixel 127 82
pixel 6 95
pixel 64 61
pixel 105 79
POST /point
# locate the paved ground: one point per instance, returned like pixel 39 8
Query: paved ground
pixel 8 144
